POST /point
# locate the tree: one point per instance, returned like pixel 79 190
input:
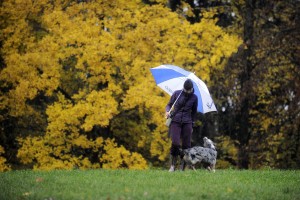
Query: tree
pixel 274 114
pixel 260 90
pixel 3 165
pixel 82 71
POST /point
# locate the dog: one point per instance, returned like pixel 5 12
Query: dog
pixel 206 154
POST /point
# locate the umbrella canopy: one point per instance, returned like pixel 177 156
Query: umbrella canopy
pixel 171 78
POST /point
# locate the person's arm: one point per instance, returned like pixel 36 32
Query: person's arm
pixel 194 109
pixel 170 104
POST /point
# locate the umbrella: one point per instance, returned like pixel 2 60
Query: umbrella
pixel 171 78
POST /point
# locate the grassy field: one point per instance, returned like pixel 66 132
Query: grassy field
pixel 150 184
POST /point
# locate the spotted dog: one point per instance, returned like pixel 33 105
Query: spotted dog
pixel 206 154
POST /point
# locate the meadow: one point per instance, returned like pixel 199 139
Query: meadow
pixel 150 184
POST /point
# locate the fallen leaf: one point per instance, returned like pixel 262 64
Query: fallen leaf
pixel 26 193
pixel 39 179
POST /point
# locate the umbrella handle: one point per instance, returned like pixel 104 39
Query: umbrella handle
pixel 172 108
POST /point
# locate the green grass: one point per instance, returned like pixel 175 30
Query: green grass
pixel 150 184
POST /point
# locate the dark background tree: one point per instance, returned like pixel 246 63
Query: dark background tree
pixel 257 93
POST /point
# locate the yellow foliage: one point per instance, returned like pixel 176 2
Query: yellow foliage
pixel 118 157
pixel 38 151
pixel 160 145
pixel 3 165
pixel 227 149
pixel 91 62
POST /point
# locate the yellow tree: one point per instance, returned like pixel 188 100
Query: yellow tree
pixel 88 64
pixel 3 165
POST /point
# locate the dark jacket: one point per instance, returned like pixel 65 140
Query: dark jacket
pixel 185 107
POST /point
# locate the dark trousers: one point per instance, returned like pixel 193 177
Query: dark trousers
pixel 180 133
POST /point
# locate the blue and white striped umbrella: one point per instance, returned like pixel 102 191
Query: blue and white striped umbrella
pixel 171 78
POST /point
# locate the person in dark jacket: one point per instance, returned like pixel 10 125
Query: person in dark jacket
pixel 183 116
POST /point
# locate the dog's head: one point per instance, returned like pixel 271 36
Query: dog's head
pixel 208 143
pixel 187 155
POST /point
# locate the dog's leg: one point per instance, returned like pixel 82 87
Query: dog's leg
pixel 193 167
pixel 213 167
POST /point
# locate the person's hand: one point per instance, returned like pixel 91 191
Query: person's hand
pixel 167 115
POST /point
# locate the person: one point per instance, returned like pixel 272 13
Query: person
pixel 183 117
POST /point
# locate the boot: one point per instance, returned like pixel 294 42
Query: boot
pixel 182 165
pixel 173 163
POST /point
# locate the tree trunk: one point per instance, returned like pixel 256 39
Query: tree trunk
pixel 244 126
